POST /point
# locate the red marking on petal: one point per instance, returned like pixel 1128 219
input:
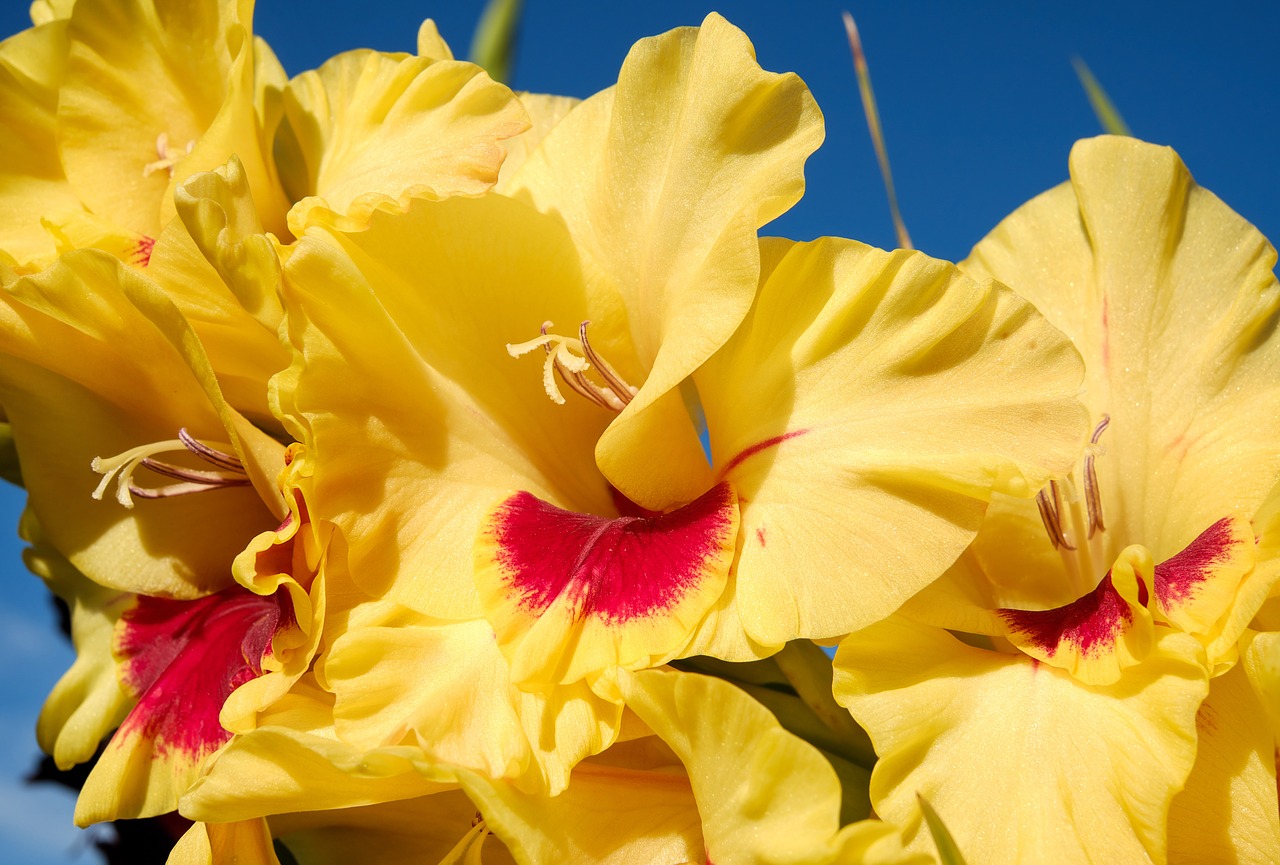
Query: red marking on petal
pixel 1092 623
pixel 760 535
pixel 182 659
pixel 1178 579
pixel 1106 331
pixel 756 448
pixel 619 569
pixel 142 251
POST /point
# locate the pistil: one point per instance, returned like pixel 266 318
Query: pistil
pixel 226 470
pixel 571 367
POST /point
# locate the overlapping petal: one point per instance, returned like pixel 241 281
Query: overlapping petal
pixel 720 782
pixel 368 128
pixel 663 181
pixel 867 409
pixel 87 703
pixel 1075 773
pixel 1228 811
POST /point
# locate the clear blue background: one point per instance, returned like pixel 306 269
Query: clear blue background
pixel 980 106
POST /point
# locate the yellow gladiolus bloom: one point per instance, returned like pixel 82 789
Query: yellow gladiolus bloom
pixel 1115 598
pixel 100 372
pixel 834 379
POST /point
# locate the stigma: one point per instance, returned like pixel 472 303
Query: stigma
pixel 1071 510
pixel 169 156
pixel 570 359
pixel 225 470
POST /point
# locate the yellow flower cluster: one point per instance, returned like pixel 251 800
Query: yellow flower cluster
pixel 440 474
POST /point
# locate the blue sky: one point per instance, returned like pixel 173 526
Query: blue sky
pixel 980 106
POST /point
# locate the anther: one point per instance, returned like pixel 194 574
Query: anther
pixel 1050 503
pixel 1092 495
pixel 227 470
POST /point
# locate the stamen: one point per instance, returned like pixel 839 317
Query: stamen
pixel 1092 495
pixel 169 156
pixel 468 849
pixel 1050 503
pixel 615 395
pixel 623 390
pixel 121 467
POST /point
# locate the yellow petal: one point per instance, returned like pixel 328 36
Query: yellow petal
pixel 136 72
pixel 545 111
pixel 32 183
pixel 1228 811
pixel 431 44
pixel 1260 653
pixel 1101 634
pixel 663 180
pixel 44 11
pixel 1065 773
pixel 633 805
pixel 1170 296
pixel 776 802
pixel 440 828
pixel 88 702
pixel 181 660
pixel 868 408
pixel 243 352
pixel 405 395
pixel 76 229
pixel 218 210
pixel 244 843
pixel 368 128
pixel 489 726
pixel 294 761
pixel 96 362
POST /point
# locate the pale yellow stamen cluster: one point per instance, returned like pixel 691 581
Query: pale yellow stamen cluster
pixel 169 156
pixel 614 394
pixel 227 471
pixel 1078 502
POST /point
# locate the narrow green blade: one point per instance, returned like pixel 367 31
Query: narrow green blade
pixel 1103 107
pixel 494 45
pixel 948 852
pixel 873 126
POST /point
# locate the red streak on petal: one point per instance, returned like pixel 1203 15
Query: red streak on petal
pixel 1106 331
pixel 760 446
pixel 1178 578
pixel 182 659
pixel 760 535
pixel 142 251
pixel 1092 623
pixel 619 569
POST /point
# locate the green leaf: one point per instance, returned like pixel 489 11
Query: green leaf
pixel 1107 114
pixel 948 852
pixel 494 45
